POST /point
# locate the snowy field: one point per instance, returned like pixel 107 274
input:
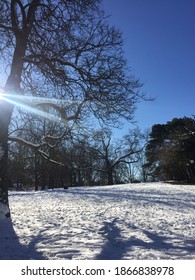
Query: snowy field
pixel 137 221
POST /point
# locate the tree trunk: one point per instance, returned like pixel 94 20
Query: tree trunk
pixel 6 110
pixel 110 176
pixel 43 180
pixel 13 87
pixel 5 116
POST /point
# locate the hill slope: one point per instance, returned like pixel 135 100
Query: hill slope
pixel 137 221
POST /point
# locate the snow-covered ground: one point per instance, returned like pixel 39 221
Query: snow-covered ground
pixel 135 221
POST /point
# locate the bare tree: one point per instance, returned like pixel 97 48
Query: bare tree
pixel 66 52
pixel 113 153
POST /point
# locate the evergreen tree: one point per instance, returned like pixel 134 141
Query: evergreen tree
pixel 171 150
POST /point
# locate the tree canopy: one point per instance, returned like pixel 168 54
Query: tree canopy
pixel 67 50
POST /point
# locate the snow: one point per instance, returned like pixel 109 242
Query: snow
pixel 133 221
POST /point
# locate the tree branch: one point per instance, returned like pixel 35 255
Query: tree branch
pixel 36 147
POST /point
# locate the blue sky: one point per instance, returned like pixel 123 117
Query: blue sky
pixel 159 44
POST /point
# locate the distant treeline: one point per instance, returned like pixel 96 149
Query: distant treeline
pixel 166 154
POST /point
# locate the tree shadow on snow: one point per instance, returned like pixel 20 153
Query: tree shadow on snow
pixel 181 200
pixel 116 247
pixel 10 246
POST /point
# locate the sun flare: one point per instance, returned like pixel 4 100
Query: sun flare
pixel 1 95
pixel 31 104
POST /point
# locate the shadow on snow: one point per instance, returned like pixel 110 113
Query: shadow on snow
pixel 10 246
pixel 116 247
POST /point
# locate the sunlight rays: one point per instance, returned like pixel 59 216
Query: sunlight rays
pixel 29 103
pixel 1 95
pixel 37 99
